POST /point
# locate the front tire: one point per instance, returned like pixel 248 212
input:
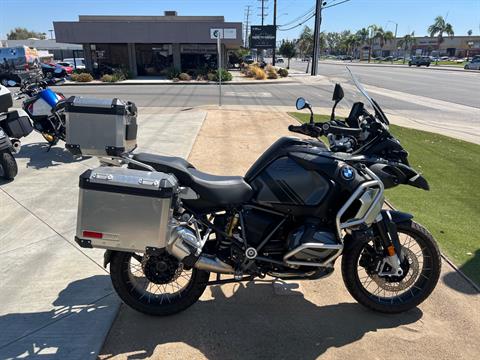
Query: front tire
pixel 145 286
pixel 415 240
pixel 8 166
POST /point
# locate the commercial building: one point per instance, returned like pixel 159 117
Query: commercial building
pixel 150 45
pixel 454 46
pixel 48 48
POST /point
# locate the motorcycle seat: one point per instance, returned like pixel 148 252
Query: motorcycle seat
pixel 214 190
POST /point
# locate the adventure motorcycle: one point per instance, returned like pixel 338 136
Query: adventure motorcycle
pixel 166 225
pixel 42 105
pixel 14 124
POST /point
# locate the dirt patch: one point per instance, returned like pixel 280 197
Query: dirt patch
pixel 230 141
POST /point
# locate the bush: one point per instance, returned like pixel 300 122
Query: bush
pixel 271 72
pixel 259 73
pixel 225 75
pixel 80 71
pixel 83 77
pixel 172 72
pixel 283 72
pixel 107 78
pixel 184 77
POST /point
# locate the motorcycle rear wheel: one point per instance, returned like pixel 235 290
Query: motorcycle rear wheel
pixel 8 165
pixel 156 286
pixel 395 295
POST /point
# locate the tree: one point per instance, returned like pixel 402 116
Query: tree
pixel 383 36
pixel 24 34
pixel 362 36
pixel 288 50
pixel 407 42
pixel 438 28
pixel 305 41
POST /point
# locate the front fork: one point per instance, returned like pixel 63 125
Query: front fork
pixel 387 231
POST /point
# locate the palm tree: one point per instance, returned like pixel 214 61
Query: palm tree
pixel 362 36
pixel 383 36
pixel 305 41
pixel 407 42
pixel 438 28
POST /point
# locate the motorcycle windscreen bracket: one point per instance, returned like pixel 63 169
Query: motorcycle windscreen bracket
pixel 100 127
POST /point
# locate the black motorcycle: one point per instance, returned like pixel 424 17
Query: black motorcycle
pixel 14 124
pixel 297 209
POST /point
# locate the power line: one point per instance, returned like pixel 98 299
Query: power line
pixel 298 18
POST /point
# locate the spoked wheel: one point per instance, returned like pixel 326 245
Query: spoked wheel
pixel 393 294
pixel 156 284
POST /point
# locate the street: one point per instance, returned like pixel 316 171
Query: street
pixel 441 101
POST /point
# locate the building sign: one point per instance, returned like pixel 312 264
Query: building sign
pixel 263 37
pixel 198 49
pixel 223 33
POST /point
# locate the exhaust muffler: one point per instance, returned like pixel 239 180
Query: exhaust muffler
pixel 183 242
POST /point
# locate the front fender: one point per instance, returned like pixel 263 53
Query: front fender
pixel 397 216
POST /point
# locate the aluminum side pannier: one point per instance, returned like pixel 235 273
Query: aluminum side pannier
pixel 124 209
pixel 100 127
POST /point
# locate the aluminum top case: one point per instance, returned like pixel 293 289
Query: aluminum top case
pixel 124 209
pixel 100 127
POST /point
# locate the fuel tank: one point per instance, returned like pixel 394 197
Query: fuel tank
pixel 302 178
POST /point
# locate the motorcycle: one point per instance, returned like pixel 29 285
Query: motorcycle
pixel 43 106
pixel 14 124
pixel 295 212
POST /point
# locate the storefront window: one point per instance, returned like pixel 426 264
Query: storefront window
pixel 107 57
pixel 153 59
pixel 198 58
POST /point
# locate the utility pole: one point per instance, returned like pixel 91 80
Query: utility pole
pixel 263 8
pixel 275 27
pixel 248 13
pixel 316 37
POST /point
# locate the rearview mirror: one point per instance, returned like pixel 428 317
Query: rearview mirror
pixel 302 103
pixel 11 83
pixel 338 93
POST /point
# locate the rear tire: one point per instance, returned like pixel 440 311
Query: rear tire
pixel 154 304
pixel 416 294
pixel 8 166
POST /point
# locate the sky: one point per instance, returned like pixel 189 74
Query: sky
pixel 410 15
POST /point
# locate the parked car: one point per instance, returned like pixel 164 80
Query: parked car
pixel 279 60
pixel 77 63
pixel 51 70
pixel 17 63
pixel 419 61
pixel 444 58
pixel 248 59
pixel 306 58
pixel 65 66
pixel 474 64
pixel 461 60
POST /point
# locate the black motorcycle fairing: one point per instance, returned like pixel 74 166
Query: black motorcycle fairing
pixel 276 150
pixel 393 174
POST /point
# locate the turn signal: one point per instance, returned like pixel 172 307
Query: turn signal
pixel 48 137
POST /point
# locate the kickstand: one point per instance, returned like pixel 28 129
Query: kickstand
pixel 50 146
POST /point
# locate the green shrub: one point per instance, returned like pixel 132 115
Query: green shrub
pixel 226 75
pixel 83 77
pixel 80 71
pixel 107 78
pixel 283 72
pixel 184 77
pixel 171 72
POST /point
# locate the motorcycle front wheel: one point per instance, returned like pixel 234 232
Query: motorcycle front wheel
pixel 393 294
pixel 156 284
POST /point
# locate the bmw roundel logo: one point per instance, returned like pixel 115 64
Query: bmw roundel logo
pixel 347 173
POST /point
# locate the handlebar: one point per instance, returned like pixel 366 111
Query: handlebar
pixel 307 129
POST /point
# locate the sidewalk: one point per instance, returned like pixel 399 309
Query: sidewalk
pixel 295 319
pixel 56 299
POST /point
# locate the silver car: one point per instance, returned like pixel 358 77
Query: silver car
pixel 474 64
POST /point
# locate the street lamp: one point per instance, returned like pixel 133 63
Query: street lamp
pixel 395 41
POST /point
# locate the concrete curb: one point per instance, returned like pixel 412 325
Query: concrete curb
pixel 453 68
pixel 135 83
pixel 448 261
